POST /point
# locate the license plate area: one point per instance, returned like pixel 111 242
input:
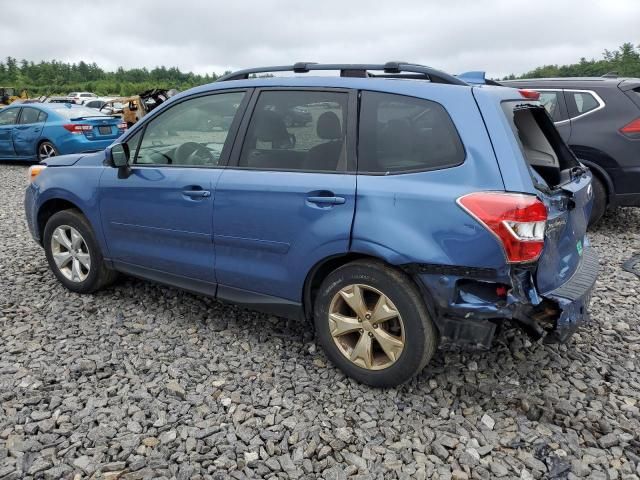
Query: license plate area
pixel 104 130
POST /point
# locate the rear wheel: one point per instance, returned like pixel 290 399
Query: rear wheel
pixel 46 150
pixel 373 324
pixel 73 253
pixel 599 200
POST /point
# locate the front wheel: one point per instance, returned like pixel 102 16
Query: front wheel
pixel 372 323
pixel 73 253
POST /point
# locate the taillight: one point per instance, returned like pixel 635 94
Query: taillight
pixel 122 126
pixel 78 127
pixel 632 129
pixel 530 94
pixel 517 220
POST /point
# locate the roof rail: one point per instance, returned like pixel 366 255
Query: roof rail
pixel 353 70
pixel 610 75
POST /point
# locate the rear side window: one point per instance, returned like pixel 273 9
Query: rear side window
pixel 297 130
pixel 551 102
pixel 581 102
pixel 29 115
pixel 540 143
pixel 403 134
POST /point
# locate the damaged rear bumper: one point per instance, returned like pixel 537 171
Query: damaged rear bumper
pixel 469 306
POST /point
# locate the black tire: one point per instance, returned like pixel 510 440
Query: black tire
pixel 49 148
pixel 98 275
pixel 599 201
pixel 421 336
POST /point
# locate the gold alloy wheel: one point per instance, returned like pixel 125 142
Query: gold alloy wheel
pixel 366 327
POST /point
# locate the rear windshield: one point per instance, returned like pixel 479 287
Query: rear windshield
pixel 78 112
pixel 543 148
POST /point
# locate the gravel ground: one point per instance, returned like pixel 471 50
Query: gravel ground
pixel 144 381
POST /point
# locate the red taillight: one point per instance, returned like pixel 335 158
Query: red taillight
pixel 530 94
pixel 631 129
pixel 78 127
pixel 517 220
pixel 122 126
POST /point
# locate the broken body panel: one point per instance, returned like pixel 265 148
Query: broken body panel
pixel 548 297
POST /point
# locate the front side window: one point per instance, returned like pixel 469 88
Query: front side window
pixel 401 134
pixel 550 101
pixel 191 133
pixel 8 117
pixel 297 130
pixel 29 115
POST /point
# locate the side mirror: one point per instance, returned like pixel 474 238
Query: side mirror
pixel 119 155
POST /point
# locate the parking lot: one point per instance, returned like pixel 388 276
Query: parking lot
pixel 145 381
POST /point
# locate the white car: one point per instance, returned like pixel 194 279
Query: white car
pixel 81 97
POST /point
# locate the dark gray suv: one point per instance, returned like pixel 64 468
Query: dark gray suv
pixel 599 118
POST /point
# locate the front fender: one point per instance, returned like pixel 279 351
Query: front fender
pixel 76 185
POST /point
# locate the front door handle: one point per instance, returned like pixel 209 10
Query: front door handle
pixel 326 200
pixel 197 193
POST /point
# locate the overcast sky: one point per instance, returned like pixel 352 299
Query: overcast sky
pixel 212 36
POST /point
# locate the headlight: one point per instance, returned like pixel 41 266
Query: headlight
pixel 34 171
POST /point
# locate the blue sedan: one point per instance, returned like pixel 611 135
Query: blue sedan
pixel 39 131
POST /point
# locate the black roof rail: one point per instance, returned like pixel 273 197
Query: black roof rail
pixel 353 70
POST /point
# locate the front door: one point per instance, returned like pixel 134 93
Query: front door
pixel 287 199
pixel 158 218
pixel 8 117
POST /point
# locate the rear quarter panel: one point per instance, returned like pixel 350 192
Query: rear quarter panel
pixel 414 217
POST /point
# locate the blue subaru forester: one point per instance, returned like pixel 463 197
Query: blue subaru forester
pixel 409 210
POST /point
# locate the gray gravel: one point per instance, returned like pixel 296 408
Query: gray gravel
pixel 144 381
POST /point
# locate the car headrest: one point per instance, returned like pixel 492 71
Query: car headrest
pixel 328 127
pixel 270 127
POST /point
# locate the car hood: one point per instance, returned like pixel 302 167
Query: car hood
pixel 63 160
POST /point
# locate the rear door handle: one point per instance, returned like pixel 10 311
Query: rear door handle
pixel 197 193
pixel 326 200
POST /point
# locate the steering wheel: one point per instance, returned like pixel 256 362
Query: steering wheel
pixel 192 153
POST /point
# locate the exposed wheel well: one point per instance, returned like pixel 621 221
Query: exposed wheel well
pixel 49 208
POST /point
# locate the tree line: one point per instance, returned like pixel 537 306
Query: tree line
pixel 55 77
pixel 625 61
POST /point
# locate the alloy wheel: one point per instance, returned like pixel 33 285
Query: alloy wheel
pixel 70 253
pixel 366 327
pixel 46 150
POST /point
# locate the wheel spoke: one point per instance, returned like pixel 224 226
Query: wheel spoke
pixel 84 259
pixel 383 311
pixel 362 354
pixel 341 325
pixel 76 239
pixel 355 300
pixel 62 258
pixel 60 236
pixel 76 273
pixel 392 346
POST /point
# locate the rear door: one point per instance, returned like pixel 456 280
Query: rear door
pixel 534 159
pixel 8 118
pixel 564 187
pixel 287 198
pixel 27 131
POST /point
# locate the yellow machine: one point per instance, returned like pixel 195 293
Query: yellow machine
pixel 8 96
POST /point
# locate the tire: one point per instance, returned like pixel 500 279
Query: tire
pixel 84 269
pixel 413 326
pixel 599 201
pixel 46 150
